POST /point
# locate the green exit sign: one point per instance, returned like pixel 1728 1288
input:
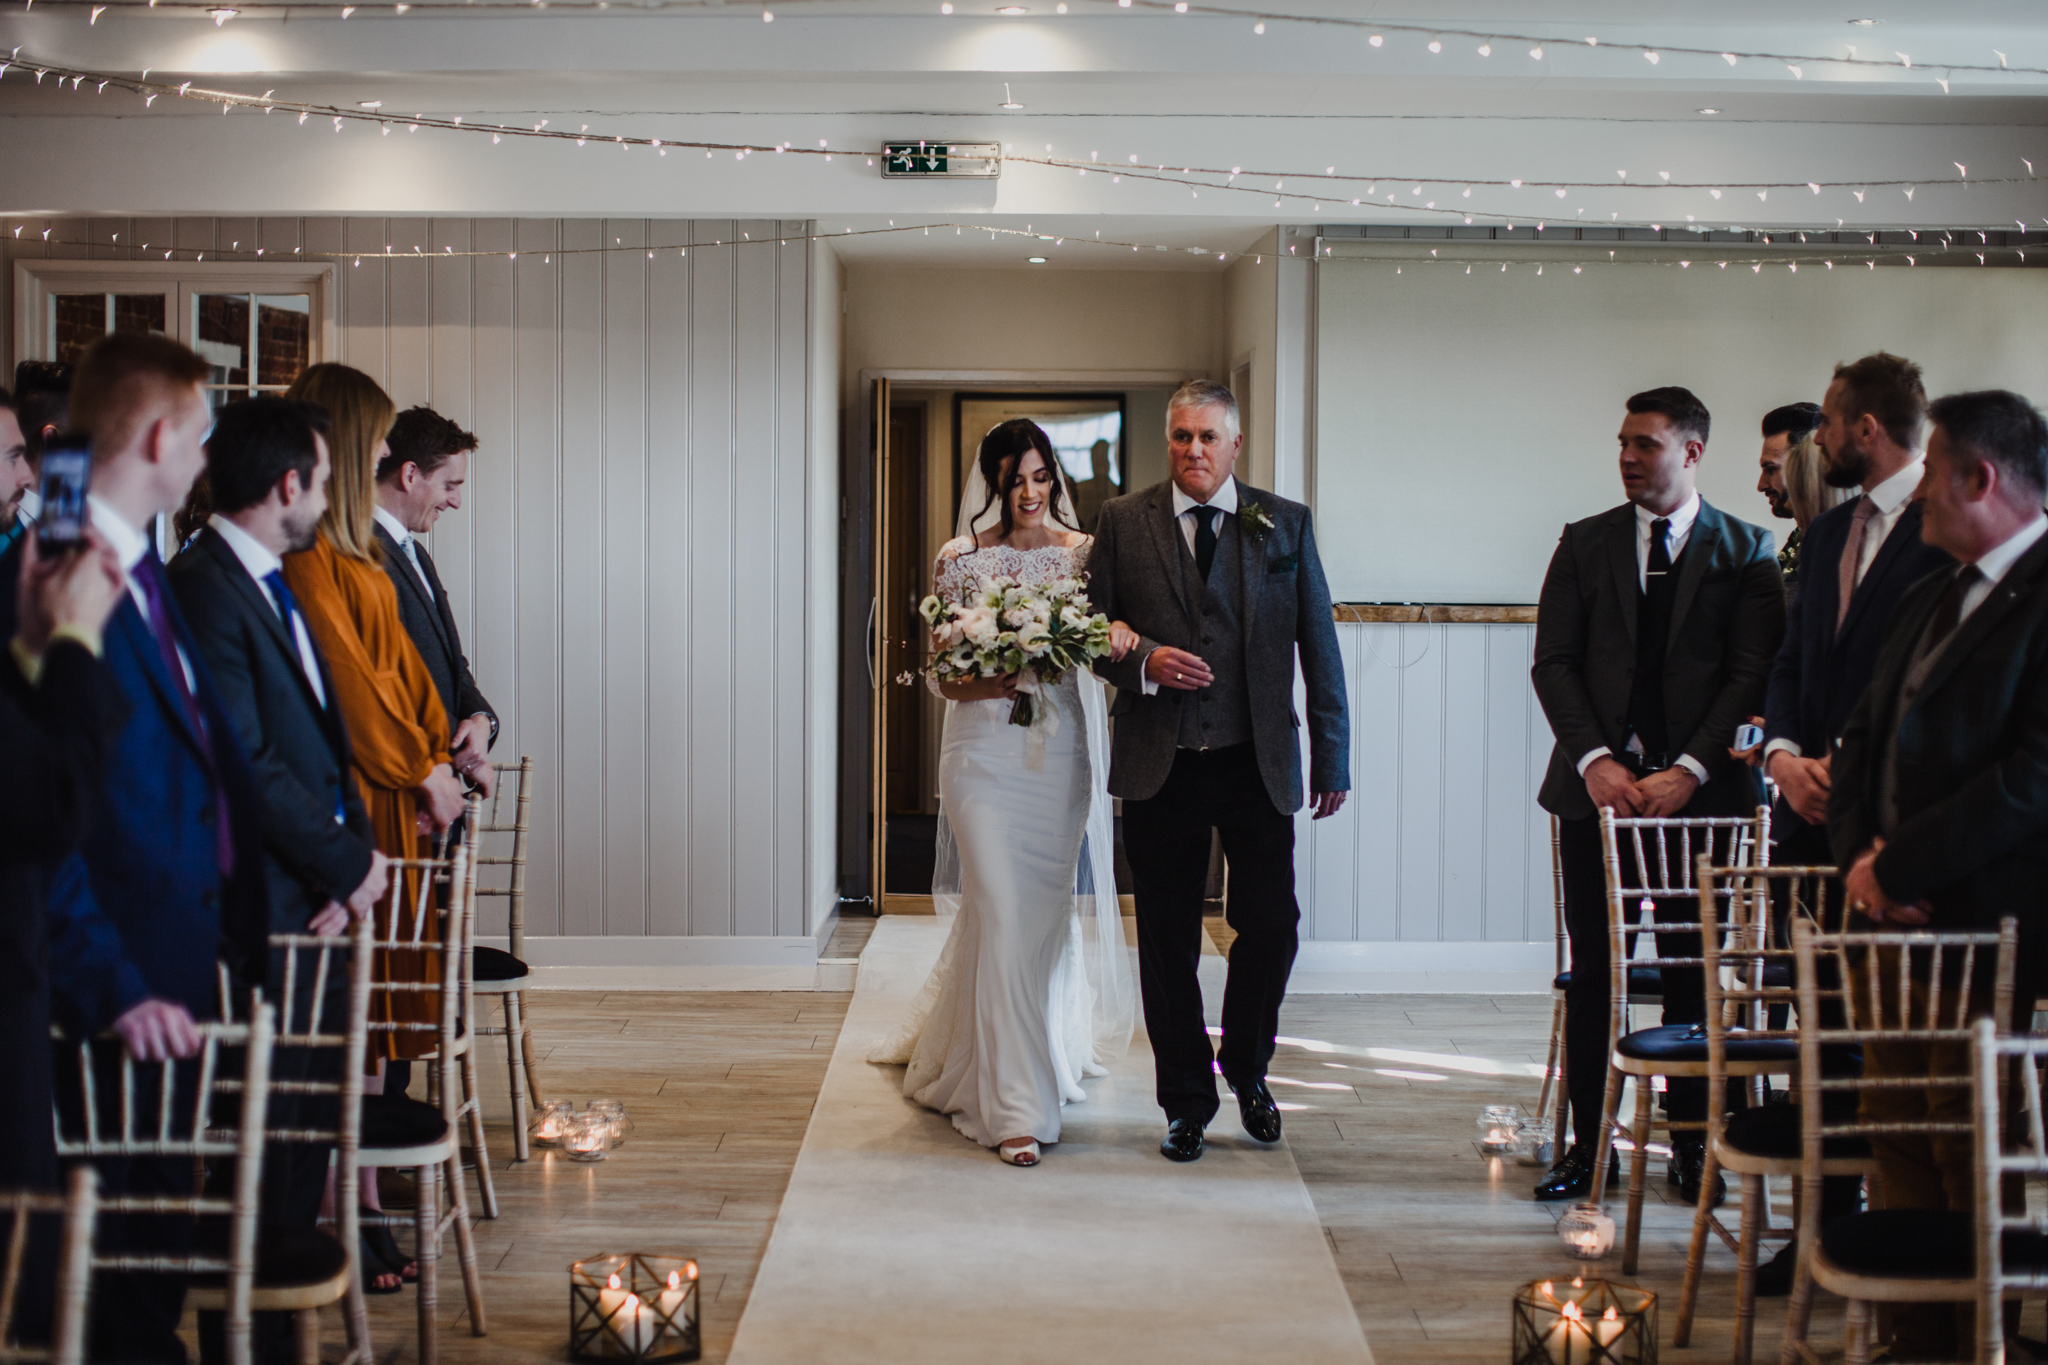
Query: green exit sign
pixel 944 160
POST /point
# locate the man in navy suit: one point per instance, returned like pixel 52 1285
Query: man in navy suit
pixel 170 879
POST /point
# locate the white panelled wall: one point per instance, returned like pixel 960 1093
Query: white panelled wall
pixel 633 561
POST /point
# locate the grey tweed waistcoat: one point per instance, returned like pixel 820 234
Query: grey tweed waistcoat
pixel 1220 714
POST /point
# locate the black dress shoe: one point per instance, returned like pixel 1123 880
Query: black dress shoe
pixel 1689 1163
pixel 1572 1177
pixel 1259 1112
pixel 1183 1140
pixel 1774 1277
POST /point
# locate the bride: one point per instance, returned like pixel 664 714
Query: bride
pixel 1032 991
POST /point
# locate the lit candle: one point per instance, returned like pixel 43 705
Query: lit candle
pixel 610 1300
pixel 670 1301
pixel 1608 1329
pixel 1569 1332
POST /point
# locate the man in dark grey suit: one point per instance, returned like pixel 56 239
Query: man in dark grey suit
pixel 1223 586
pixel 1654 638
pixel 1939 805
pixel 422 477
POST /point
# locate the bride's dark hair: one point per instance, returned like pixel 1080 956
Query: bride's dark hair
pixel 1002 450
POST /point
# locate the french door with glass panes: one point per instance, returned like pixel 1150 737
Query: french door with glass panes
pixel 257 324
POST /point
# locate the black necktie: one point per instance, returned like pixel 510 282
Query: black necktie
pixel 1660 550
pixel 1205 538
pixel 1948 613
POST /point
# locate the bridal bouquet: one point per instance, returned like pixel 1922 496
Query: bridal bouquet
pixel 1001 627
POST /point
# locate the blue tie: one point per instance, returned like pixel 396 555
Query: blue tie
pixel 289 607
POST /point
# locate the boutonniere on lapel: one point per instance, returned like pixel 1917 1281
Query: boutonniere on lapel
pixel 1253 518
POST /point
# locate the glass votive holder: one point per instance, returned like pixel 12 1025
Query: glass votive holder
pixel 1586 1232
pixel 550 1120
pixel 1536 1142
pixel 587 1137
pixel 1497 1125
pixel 614 1113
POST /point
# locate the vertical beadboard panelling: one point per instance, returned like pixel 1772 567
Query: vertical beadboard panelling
pixel 583 362
pixel 711 754
pixel 752 638
pixel 666 520
pixel 409 314
pixel 450 389
pixel 1442 840
pixel 365 299
pixel 781 864
pixel 624 578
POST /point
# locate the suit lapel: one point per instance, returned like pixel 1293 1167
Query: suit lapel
pixel 1251 566
pixel 1904 532
pixel 142 641
pixel 252 595
pixel 409 581
pixel 2004 597
pixel 1701 545
pixel 1627 581
pixel 1166 540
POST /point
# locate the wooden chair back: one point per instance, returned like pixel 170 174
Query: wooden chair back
pixel 507 815
pixel 422 950
pixel 2011 1147
pixel 78 1207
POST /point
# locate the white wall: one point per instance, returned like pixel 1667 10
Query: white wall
pixel 1463 419
pixel 643 568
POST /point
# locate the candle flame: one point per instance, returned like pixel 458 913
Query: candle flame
pixel 1571 1310
pixel 1578 1282
pixel 612 1283
pixel 1610 1315
pixel 675 1281
pixel 1548 1292
pixel 693 1270
pixel 632 1303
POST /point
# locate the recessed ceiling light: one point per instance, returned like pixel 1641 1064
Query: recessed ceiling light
pixel 1011 9
pixel 1710 111
pixel 1037 260
pixel 1866 23
pixel 369 104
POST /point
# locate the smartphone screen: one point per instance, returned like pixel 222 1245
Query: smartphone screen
pixel 67 474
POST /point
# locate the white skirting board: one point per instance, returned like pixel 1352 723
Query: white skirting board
pixel 676 963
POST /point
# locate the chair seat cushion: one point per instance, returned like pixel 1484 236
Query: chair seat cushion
pixel 400 1121
pixel 1919 1244
pixel 1641 981
pixel 1773 1131
pixel 286 1257
pixel 1688 1043
pixel 495 964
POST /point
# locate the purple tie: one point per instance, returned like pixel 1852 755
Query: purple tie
pixel 148 574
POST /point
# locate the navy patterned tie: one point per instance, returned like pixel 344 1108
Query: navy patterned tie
pixel 1205 538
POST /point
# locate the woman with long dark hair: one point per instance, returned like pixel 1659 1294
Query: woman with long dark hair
pixel 1033 989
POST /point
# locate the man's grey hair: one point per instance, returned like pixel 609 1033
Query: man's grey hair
pixel 1202 393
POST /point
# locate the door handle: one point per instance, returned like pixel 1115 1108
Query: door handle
pixel 874 605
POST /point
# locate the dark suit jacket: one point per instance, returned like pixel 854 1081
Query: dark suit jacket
pixel 53 738
pixel 1726 623
pixel 297 748
pixel 1819 674
pixel 432 627
pixel 1972 838
pixel 1134 575
pixel 143 910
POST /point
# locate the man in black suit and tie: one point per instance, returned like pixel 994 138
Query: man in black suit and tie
pixel 1939 806
pixel 267 467
pixel 1654 636
pixel 422 477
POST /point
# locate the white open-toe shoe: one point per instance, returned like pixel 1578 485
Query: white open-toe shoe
pixel 1027 1155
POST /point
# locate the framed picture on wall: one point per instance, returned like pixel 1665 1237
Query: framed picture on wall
pixel 1087 432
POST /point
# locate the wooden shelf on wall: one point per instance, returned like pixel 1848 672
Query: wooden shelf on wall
pixel 1436 613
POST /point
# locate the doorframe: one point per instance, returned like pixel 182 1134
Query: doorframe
pixel 862 843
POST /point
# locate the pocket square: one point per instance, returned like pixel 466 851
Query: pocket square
pixel 1285 564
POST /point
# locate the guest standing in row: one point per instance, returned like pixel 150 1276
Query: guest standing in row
pixel 1939 808
pixel 420 477
pixel 1654 637
pixel 1784 428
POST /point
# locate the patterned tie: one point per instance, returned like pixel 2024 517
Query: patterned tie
pixel 1205 538
pixel 1660 552
pixel 148 574
pixel 1852 559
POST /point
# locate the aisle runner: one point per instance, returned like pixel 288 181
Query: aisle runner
pixel 901 1242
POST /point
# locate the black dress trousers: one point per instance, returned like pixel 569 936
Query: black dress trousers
pixel 1167 840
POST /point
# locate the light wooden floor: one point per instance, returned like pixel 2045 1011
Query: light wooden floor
pixel 1430 1238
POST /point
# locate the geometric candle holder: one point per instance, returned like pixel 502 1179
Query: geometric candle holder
pixel 1588 1322
pixel 634 1307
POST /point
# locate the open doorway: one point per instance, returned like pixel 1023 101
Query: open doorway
pixel 1110 440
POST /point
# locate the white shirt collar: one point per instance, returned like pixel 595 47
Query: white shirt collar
pixel 130 544
pixel 400 532
pixel 1681 520
pixel 254 554
pixel 1889 496
pixel 1225 499
pixel 1995 562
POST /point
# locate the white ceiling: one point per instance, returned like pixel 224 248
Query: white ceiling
pixel 1183 91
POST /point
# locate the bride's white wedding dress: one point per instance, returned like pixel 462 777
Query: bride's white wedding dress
pixel 1032 991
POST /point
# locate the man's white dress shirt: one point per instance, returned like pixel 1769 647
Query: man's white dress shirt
pixel 261 563
pixel 1995 563
pixel 1675 537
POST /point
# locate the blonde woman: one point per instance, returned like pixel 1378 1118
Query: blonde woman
pixel 397 729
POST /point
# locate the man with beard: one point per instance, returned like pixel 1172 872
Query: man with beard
pixel 267 464
pixel 17 473
pixel 1783 429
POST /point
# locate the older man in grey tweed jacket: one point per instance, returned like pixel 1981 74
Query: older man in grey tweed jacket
pixel 1222 584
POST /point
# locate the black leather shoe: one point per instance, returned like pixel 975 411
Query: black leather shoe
pixel 1689 1162
pixel 1572 1177
pixel 1774 1277
pixel 1260 1113
pixel 1183 1140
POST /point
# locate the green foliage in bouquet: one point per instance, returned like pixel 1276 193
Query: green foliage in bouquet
pixel 1043 630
